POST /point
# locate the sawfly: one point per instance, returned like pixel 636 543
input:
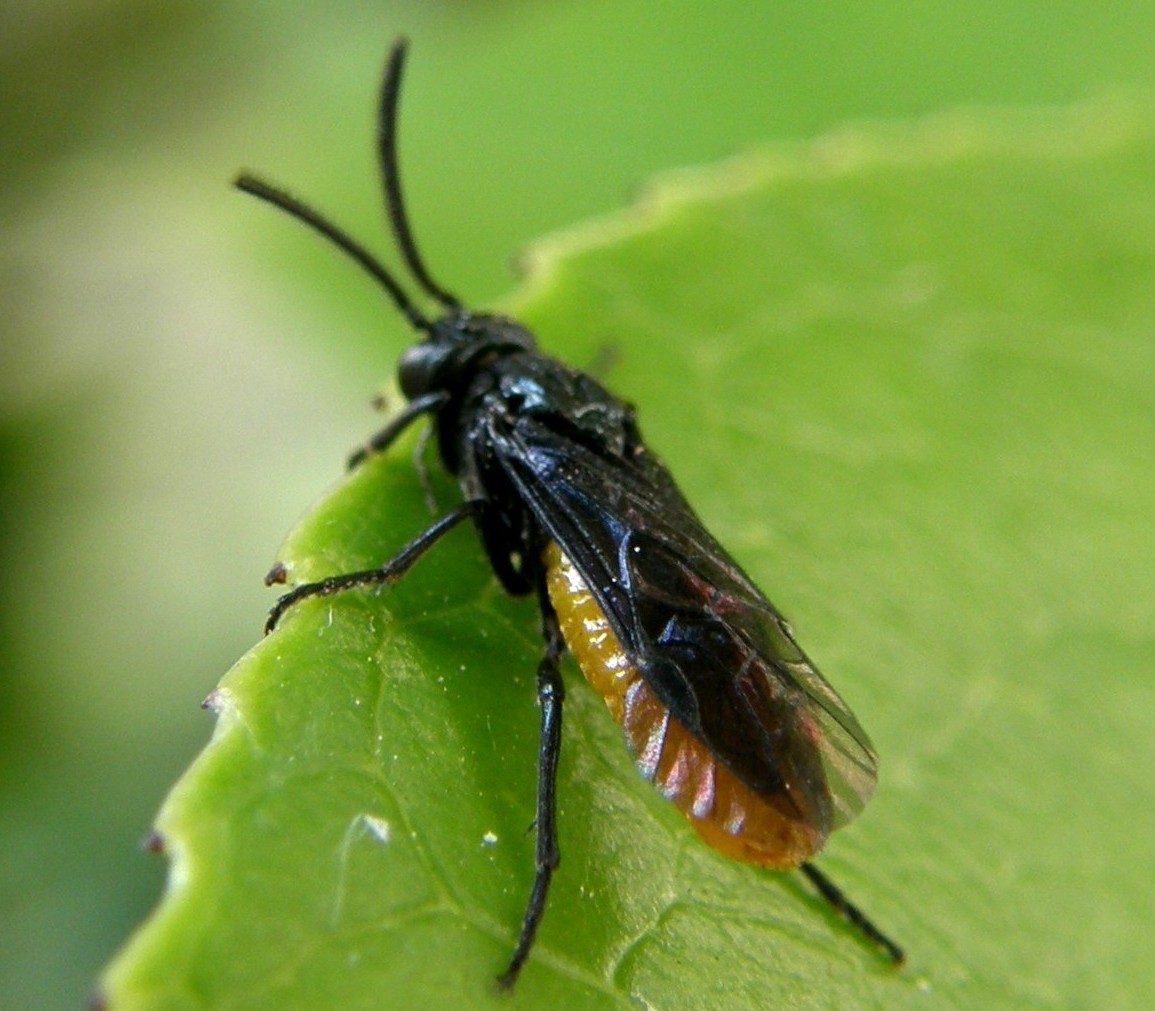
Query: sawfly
pixel 721 708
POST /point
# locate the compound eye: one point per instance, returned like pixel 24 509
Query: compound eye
pixel 417 371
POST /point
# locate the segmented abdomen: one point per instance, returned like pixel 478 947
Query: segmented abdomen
pixel 726 813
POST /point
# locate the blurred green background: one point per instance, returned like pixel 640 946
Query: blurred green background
pixel 179 382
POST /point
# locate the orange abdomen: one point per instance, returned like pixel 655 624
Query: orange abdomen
pixel 726 813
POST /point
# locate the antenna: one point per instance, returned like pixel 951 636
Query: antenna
pixel 391 176
pixel 341 239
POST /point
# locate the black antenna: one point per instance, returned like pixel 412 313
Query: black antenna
pixel 342 240
pixel 391 177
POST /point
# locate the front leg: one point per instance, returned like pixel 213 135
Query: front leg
pixel 550 695
pixel 429 403
pixel 390 572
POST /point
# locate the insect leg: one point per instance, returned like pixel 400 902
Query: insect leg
pixel 425 404
pixel 550 694
pixel 855 916
pixel 390 572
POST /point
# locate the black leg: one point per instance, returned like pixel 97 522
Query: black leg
pixel 426 404
pixel 550 694
pixel 390 572
pixel 855 916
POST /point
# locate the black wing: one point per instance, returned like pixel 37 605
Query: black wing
pixel 708 643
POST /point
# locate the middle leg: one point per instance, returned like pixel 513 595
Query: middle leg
pixel 550 695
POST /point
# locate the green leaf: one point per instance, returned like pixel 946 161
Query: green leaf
pixel 906 375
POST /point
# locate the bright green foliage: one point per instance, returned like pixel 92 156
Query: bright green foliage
pixel 909 378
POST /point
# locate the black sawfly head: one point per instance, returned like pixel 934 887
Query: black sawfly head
pixel 458 344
